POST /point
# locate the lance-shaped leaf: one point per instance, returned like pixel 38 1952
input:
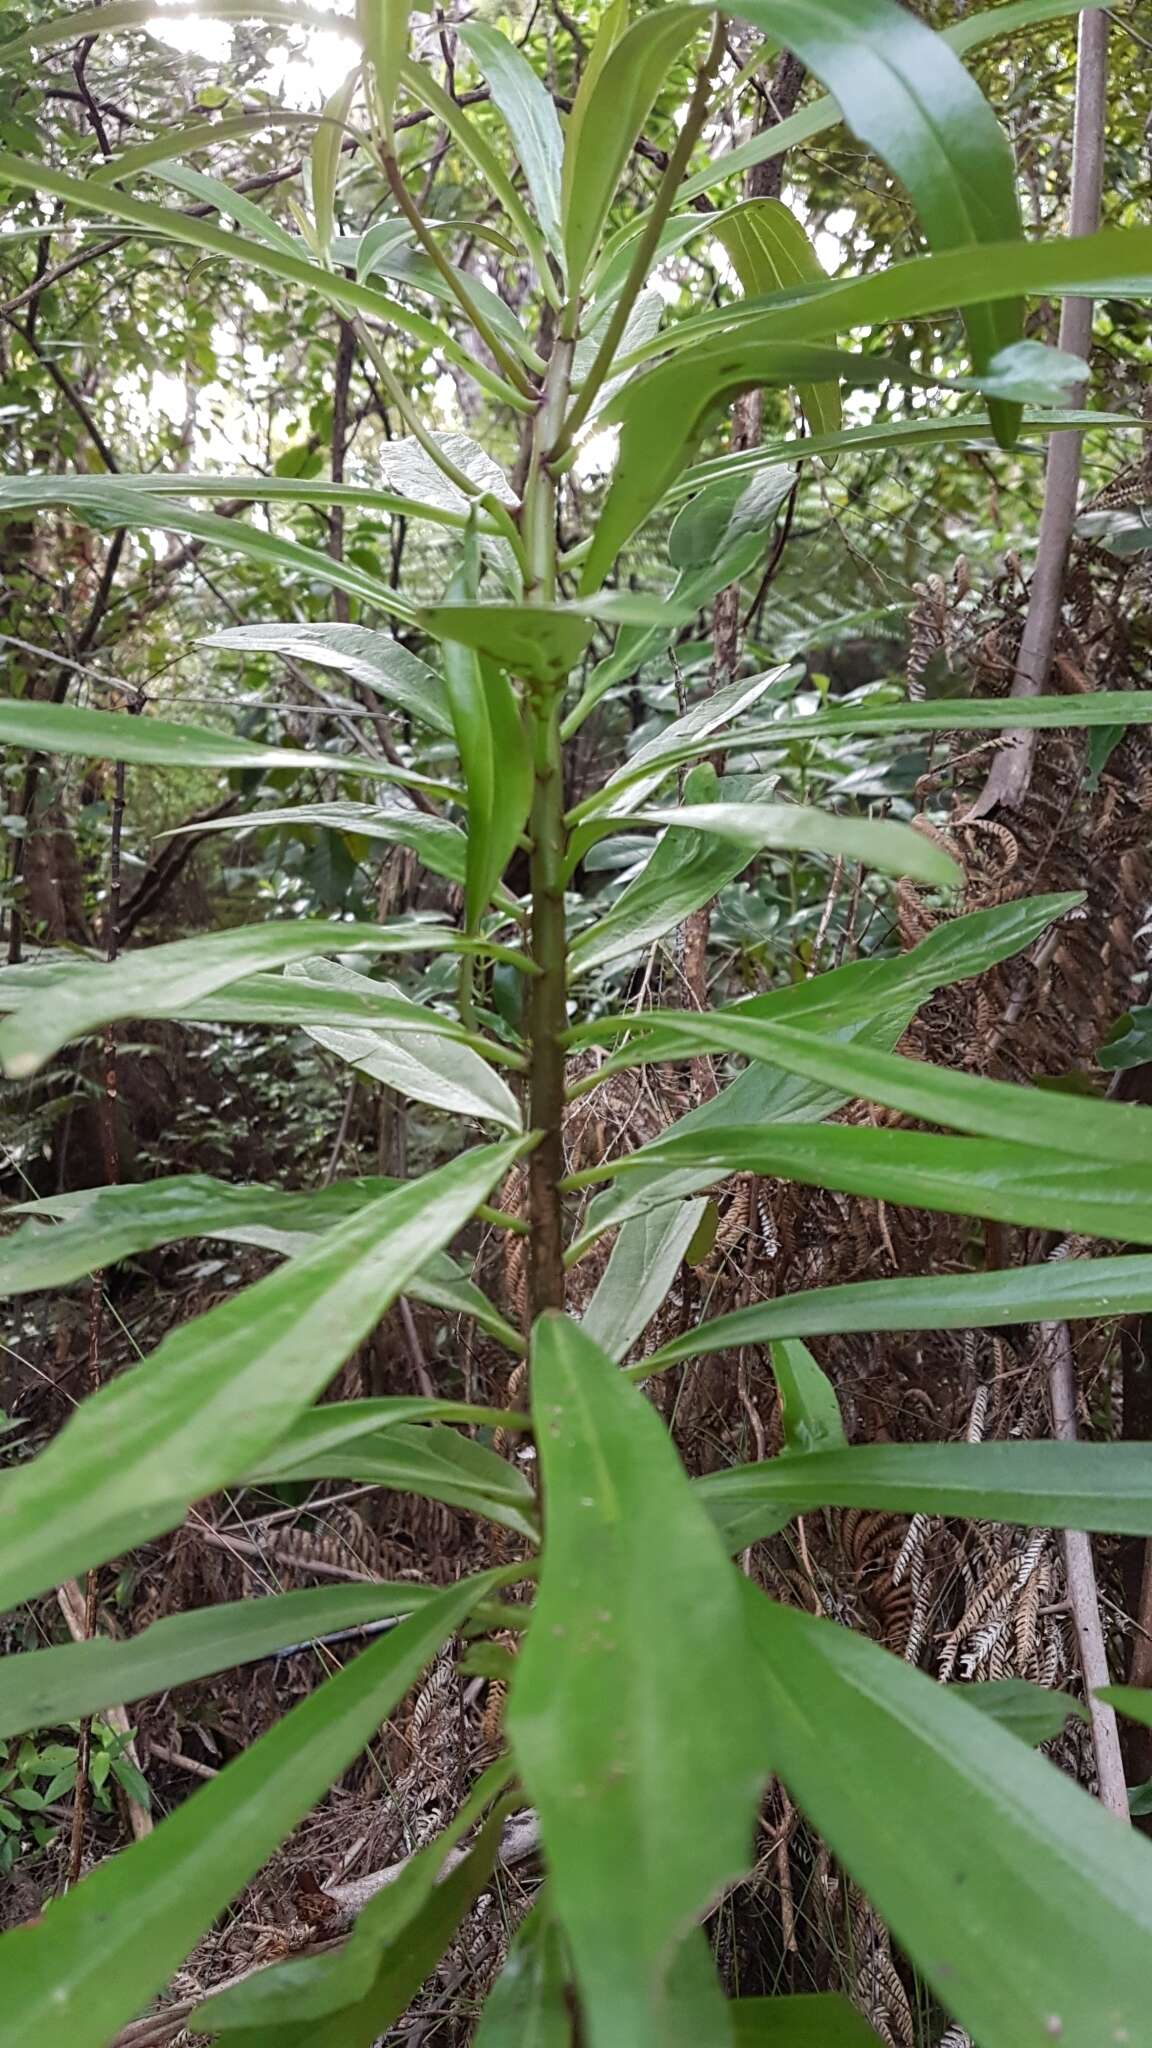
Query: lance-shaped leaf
pixel 374 659
pixel 809 1411
pixel 114 504
pixel 645 1259
pixel 1118 1132
pixel 664 413
pixel 155 742
pixel 440 845
pixel 893 849
pixel 811 2020
pixel 43 1688
pixel 872 1000
pixel 958 1176
pixel 685 869
pixel 1066 1290
pixel 540 641
pixel 1033 1713
pixel 645 1794
pixel 424 1066
pixel 1032 1485
pixel 1032 1918
pixel 905 93
pixel 383 30
pixel 98 1955
pixel 530 114
pixel 527 2006
pixel 715 713
pixel 492 743
pixel 218 1392
pixel 326 148
pixel 433 1463
pixel 608 117
pixel 769 251
pixel 160 981
pixel 345 1998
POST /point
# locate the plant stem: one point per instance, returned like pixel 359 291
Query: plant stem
pixel 548 998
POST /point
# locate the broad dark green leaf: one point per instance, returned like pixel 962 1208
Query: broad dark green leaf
pixel 1033 1712
pixel 530 114
pixel 155 742
pixel 769 251
pixel 1133 1700
pixel 645 1793
pixel 100 1953
pixel 608 117
pixel 282 2001
pixel 1129 1043
pixel 440 845
pixel 1033 1485
pixel 905 93
pixel 1032 1917
pixel 216 1394
pixel 426 1066
pixel 161 981
pixel 811 2020
pixel 1006 1183
pixel 433 1463
pixel 374 659
pixel 1066 1290
pixel 1116 1132
pixel 809 1411
pixel 112 503
pixel 43 1688
pixel 877 842
pixel 645 1259
pixel 527 2006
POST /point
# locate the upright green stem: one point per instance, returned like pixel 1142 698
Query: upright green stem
pixel 548 999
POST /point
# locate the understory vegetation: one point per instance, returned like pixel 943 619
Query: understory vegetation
pixel 575 1025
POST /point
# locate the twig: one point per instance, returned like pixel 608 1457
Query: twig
pixel 1010 775
pixel 73 1607
pixel 1083 1596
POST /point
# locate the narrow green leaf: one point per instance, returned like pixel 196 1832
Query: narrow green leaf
pixel 94 21
pixel 1066 1290
pixel 383 30
pixel 812 2020
pixel 434 1463
pixel 958 1176
pixel 375 659
pixel 878 843
pixel 44 1688
pixel 190 137
pixel 527 2006
pixel 154 742
pixel 1033 1712
pixel 218 1392
pixel 488 161
pixel 809 1411
pixel 1031 1485
pixel 769 251
pixel 163 980
pixel 645 1259
pixel 441 846
pixel 396 1942
pixel 1032 1918
pixel 959 714
pixel 904 92
pixel 492 743
pixel 608 118
pixel 99 1954
pixel 326 149
pixel 1133 1700
pixel 1116 1132
pixel 116 504
pixel 530 113
pixel 425 1066
pixel 645 1794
